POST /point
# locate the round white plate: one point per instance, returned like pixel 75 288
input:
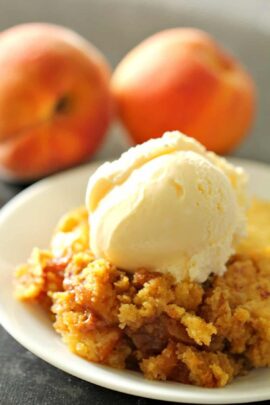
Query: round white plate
pixel 27 221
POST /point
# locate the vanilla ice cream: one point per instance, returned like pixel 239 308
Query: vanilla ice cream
pixel 167 205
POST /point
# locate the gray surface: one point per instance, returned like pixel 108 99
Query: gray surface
pixel 27 380
pixel 115 26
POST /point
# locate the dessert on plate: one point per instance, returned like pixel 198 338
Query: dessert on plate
pixel 165 270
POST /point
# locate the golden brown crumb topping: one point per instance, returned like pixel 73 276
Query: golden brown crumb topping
pixel 198 334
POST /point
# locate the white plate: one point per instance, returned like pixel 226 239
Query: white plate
pixel 28 221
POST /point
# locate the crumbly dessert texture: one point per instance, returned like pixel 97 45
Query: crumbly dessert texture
pixel 202 334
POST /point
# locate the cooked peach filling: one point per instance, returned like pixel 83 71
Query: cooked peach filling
pixel 202 334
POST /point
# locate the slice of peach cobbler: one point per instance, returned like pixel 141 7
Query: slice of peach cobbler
pixel 126 287
pixel 203 334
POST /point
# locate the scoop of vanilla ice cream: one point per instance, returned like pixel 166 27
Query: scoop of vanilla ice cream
pixel 167 205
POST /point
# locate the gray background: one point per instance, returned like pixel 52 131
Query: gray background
pixel 115 26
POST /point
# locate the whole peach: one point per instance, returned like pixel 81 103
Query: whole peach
pixel 55 102
pixel 182 79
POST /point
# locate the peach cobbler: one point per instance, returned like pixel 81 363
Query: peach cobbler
pixel 189 305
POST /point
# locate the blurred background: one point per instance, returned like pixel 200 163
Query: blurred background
pixel 116 26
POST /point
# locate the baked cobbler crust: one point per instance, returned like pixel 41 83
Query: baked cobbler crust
pixel 202 334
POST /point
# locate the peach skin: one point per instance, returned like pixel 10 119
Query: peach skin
pixel 181 79
pixel 55 102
